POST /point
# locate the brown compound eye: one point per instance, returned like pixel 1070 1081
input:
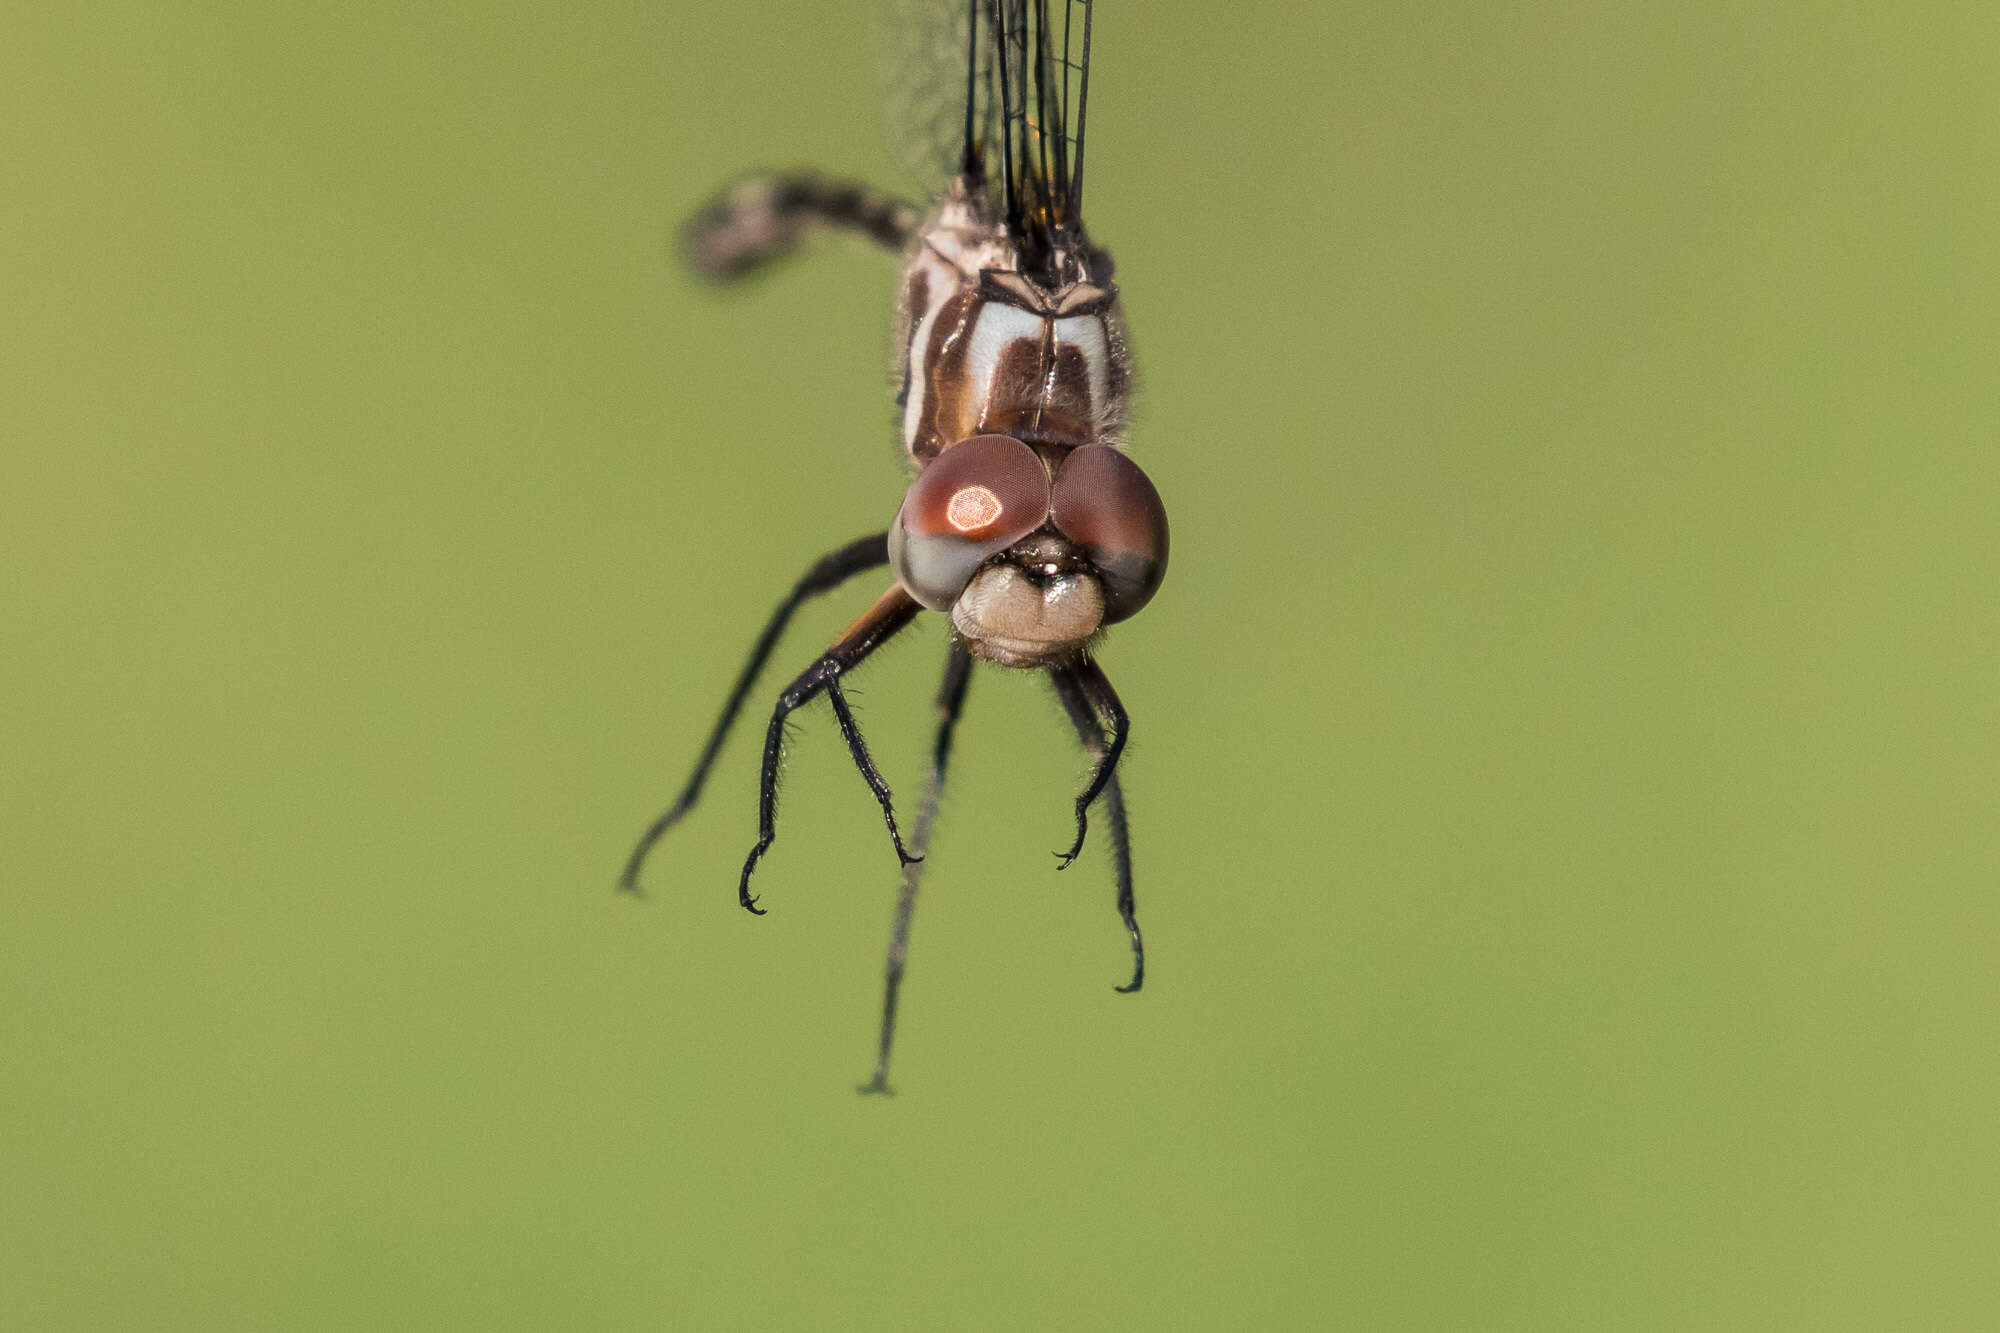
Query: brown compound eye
pixel 1107 506
pixel 972 502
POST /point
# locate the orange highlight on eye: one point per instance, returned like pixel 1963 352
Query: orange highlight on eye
pixel 972 508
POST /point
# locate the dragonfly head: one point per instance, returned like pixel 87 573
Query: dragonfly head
pixel 1031 551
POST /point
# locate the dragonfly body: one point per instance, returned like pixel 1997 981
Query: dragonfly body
pixel 1025 522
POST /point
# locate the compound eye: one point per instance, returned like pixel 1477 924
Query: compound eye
pixel 972 502
pixel 1104 504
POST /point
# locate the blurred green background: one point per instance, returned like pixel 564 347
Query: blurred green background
pixel 1564 778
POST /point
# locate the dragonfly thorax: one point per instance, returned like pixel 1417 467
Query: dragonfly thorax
pixel 986 348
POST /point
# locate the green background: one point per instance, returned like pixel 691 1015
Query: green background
pixel 1564 772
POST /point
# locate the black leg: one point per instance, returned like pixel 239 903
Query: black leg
pixel 857 747
pixel 761 219
pixel 1076 702
pixel 1098 692
pixel 893 610
pixel 832 569
pixel 950 702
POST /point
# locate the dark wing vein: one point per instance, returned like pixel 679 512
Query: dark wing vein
pixel 1032 58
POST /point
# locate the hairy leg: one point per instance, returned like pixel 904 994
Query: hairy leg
pixel 1097 691
pixel 950 702
pixel 831 570
pixel 1075 697
pixel 891 612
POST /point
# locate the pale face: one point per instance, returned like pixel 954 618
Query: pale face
pixel 1031 553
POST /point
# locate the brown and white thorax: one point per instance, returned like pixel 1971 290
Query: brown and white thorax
pixel 982 348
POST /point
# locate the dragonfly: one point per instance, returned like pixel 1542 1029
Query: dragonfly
pixel 1024 522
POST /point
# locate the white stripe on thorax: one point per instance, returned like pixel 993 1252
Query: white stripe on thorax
pixel 998 325
pixel 1086 334
pixel 941 286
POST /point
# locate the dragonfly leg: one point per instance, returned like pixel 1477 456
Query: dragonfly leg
pixel 891 612
pixel 950 703
pixel 1072 689
pixel 1097 693
pixel 831 570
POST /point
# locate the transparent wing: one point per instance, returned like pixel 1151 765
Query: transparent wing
pixel 924 47
pixel 997 90
pixel 1042 68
